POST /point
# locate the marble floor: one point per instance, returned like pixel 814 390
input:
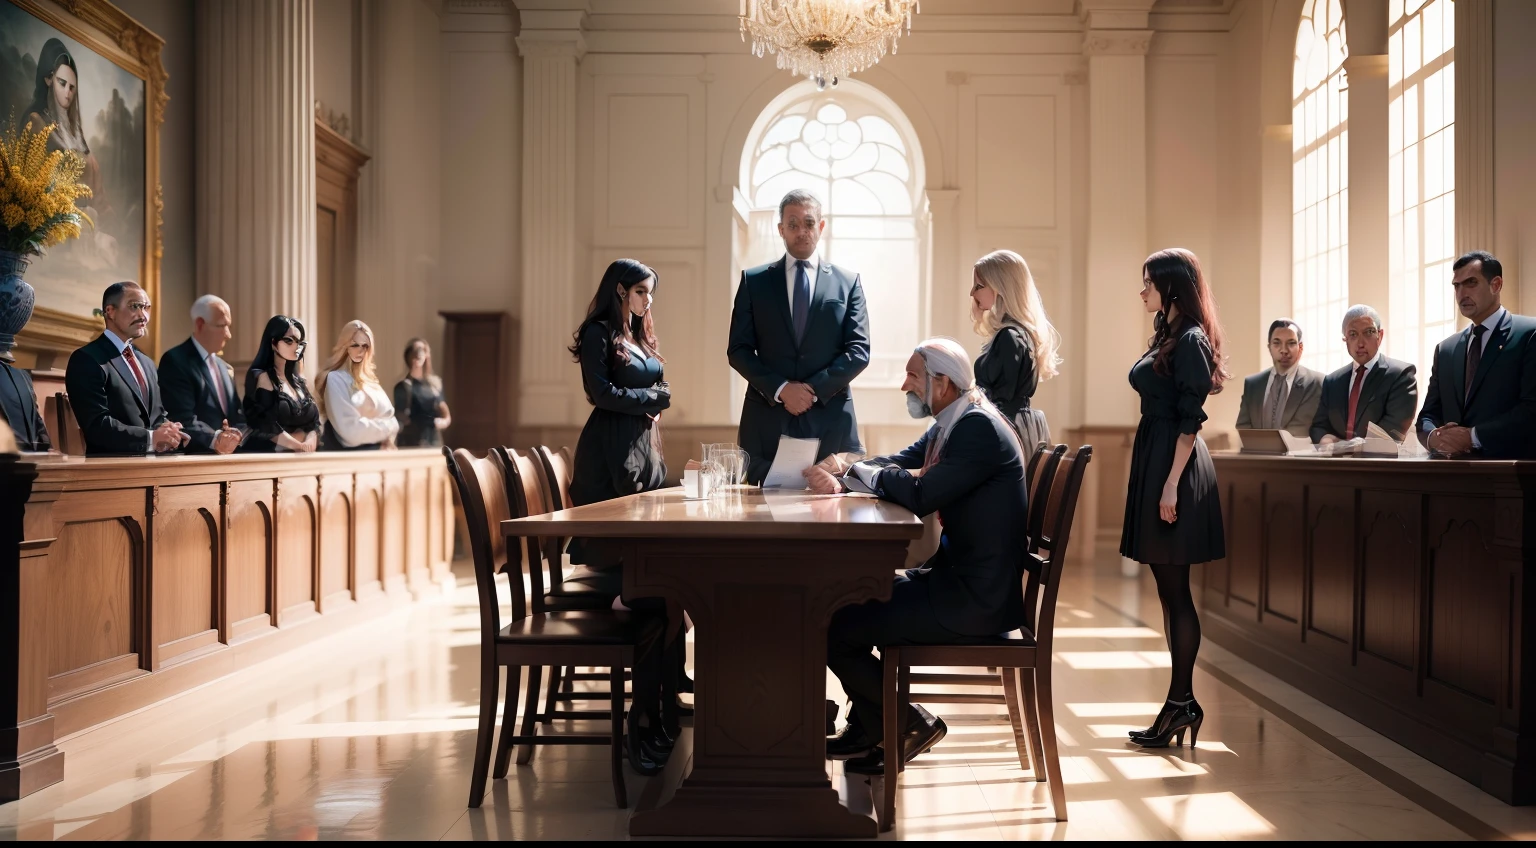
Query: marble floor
pixel 368 735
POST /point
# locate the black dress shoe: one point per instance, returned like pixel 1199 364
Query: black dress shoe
pixel 639 759
pixel 852 742
pixel 914 742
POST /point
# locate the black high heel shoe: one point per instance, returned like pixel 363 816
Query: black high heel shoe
pixel 1175 718
pixel 640 758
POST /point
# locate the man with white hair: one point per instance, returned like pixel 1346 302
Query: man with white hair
pixel 198 386
pixel 969 468
pixel 1373 389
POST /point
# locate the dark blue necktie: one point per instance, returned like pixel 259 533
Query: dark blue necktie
pixel 800 310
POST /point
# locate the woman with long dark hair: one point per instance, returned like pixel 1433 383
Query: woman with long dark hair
pixel 419 400
pixel 279 408
pixel 618 454
pixel 1172 508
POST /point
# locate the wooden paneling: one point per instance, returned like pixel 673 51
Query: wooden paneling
pixel 297 526
pixel 92 594
pixel 129 580
pixel 250 553
pixel 1411 587
pixel 475 382
pixel 1245 541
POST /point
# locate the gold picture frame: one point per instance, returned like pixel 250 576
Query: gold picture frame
pixel 111 34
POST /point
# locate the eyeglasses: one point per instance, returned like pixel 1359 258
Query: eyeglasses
pixel 1370 333
pixel 138 306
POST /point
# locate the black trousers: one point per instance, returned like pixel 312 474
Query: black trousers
pixel 906 619
pixel 654 675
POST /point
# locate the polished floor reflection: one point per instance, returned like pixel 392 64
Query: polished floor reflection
pixel 368 735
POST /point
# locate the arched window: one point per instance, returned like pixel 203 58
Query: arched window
pixel 845 147
pixel 1320 180
pixel 1422 178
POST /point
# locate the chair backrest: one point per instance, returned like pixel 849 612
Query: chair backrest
pixel 65 428
pixel 1033 466
pixel 482 487
pixel 557 479
pixel 1045 460
pixel 1045 579
pixel 529 494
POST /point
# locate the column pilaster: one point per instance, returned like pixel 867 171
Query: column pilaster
pixel 256 162
pixel 1115 44
pixel 1370 256
pixel 552 46
pixel 1474 126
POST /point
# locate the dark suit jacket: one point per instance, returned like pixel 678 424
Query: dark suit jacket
pixel 18 408
pixel 113 416
pixel 1388 398
pixel 190 400
pixel 977 486
pixel 1502 403
pixel 764 351
pixel 1300 404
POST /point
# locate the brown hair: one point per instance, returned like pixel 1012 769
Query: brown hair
pixel 1176 275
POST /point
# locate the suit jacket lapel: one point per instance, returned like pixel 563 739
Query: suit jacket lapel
pixel 133 382
pixel 1458 373
pixel 1293 400
pixel 1255 401
pixel 1491 351
pixel 1373 380
pixel 199 367
pixel 779 294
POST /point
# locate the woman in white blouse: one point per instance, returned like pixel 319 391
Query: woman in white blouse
pixel 358 413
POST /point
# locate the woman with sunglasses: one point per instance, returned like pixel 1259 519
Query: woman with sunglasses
pixel 279 408
pixel 358 413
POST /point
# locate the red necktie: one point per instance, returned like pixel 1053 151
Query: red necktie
pixel 218 381
pixel 1354 401
pixel 133 365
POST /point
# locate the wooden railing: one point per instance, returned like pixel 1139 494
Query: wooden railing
pixel 127 580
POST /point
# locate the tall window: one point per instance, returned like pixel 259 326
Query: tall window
pixel 1421 182
pixel 841 148
pixel 1320 180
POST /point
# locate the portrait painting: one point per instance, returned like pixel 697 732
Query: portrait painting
pixel 72 72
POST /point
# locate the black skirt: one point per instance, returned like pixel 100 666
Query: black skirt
pixel 1196 535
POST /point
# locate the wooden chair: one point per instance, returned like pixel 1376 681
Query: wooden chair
pixel 535 639
pixel 529 493
pixel 1004 683
pixel 1025 652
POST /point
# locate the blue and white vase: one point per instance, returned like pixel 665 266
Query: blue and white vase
pixel 16 298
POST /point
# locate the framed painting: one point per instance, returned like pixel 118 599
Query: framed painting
pixel 95 75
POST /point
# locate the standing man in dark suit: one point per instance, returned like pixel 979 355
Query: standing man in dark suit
pixel 1286 396
pixel 113 388
pixel 1374 389
pixel 799 335
pixel 1482 386
pixel 198 387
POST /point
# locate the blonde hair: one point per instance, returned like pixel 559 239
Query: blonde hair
pixel 341 360
pixel 1018 302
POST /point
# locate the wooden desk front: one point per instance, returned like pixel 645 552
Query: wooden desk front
pixel 124 581
pixel 760 574
pixel 1395 591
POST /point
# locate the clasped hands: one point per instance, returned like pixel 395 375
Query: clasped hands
pixel 168 437
pixel 1450 439
pixel 823 476
pixel 797 398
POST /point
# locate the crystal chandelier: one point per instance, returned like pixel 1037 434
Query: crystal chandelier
pixel 825 39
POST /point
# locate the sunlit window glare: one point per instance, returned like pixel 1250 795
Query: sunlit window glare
pixel 1320 181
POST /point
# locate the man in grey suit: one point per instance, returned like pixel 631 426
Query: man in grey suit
pixel 1284 397
pixel 799 335
pixel 1373 389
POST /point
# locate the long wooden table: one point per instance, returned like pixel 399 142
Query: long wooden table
pixel 1395 591
pixel 124 581
pixel 760 574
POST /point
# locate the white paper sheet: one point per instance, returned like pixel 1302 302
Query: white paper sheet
pixel 792 458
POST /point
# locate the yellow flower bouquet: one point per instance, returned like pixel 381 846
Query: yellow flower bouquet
pixel 38 190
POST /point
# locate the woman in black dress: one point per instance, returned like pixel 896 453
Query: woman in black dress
pixel 1172 508
pixel 279 408
pixel 618 454
pixel 419 400
pixel 1021 348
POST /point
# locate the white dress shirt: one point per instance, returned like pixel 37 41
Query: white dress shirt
pixel 791 269
pixel 363 416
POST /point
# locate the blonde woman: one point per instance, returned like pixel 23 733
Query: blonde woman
pixel 1022 345
pixel 358 414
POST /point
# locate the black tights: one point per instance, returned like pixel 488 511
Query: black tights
pixel 1181 623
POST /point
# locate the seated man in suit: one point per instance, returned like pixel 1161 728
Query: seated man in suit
pixel 113 387
pixel 1284 397
pixel 799 335
pixel 198 387
pixel 1375 388
pixel 968 467
pixel 18 408
pixel 1482 385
